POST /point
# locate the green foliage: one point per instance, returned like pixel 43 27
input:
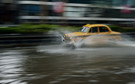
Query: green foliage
pixel 121 29
pixel 44 28
pixel 6 30
pixel 116 28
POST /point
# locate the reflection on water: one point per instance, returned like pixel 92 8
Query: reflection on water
pixel 10 66
pixel 52 64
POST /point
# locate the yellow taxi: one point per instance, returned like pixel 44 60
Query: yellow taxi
pixel 103 32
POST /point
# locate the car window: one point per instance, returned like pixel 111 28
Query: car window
pixel 103 29
pixel 93 30
pixel 85 29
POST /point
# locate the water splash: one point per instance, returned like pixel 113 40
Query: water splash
pixel 101 41
pixel 95 46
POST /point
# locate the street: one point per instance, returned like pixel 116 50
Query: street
pixel 52 64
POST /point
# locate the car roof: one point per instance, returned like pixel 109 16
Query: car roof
pixel 93 25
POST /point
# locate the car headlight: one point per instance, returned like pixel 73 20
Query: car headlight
pixel 67 39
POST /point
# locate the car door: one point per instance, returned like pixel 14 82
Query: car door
pixel 93 34
pixel 104 33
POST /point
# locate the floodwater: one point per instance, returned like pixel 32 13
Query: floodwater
pixel 53 64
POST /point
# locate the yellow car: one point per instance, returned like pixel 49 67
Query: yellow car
pixel 102 33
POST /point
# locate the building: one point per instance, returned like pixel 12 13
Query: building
pixel 76 11
pixel 8 12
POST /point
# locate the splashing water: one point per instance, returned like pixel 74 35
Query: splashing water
pixel 95 48
pixel 101 41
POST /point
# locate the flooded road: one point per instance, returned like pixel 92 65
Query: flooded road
pixel 52 64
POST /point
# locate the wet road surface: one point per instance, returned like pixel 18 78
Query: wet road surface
pixel 51 64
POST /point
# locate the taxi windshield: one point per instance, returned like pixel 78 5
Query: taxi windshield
pixel 85 29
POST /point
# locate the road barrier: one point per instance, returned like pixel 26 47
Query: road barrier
pixel 8 40
pixel 25 40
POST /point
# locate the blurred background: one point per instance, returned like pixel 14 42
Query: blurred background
pixel 68 12
pixel 31 49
